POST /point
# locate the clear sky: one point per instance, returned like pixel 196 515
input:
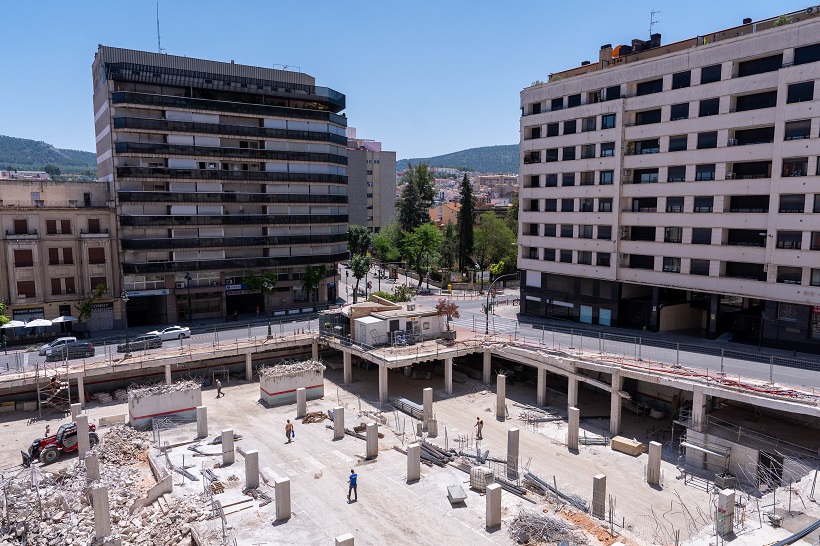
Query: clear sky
pixel 425 78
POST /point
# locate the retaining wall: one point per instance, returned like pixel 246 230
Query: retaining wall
pixel 281 390
pixel 180 404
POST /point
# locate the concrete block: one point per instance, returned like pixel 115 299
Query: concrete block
pixel 108 420
pixel 314 350
pixel 599 496
pixel 338 423
pixel 653 467
pixel 251 469
pixel 201 421
pixel 698 407
pixel 372 435
pixel 278 390
pixel 427 404
pixel 248 367
pixel 347 361
pixel 512 449
pixel 487 368
pixel 83 441
pixel 102 511
pixel 228 453
pixel 167 374
pixel 81 390
pixel 432 428
pixel 383 396
pixel 75 411
pixel 176 403
pixel 344 540
pixel 301 402
pixel 572 429
pixel 448 375
pixel 92 467
pixel 493 509
pixel 501 397
pixel 282 498
pixel 413 462
pixel 541 387
pixel 725 512
pixel 615 404
pixel 572 392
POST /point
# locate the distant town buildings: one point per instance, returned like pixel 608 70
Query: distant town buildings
pixel 371 174
pixel 24 175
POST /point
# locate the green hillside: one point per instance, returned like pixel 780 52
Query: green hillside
pixel 488 159
pixel 30 155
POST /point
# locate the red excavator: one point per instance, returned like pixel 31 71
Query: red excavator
pixel 48 449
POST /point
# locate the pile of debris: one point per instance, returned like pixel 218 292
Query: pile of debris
pixel 164 522
pixel 123 445
pixel 292 367
pixel 102 397
pixel 314 417
pixel 530 527
pixel 135 392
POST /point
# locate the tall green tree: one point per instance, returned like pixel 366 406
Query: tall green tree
pixel 387 242
pixel 413 207
pixel 494 243
pixel 359 265
pixel 448 253
pixel 52 170
pixel 359 239
pixel 312 279
pixel 466 223
pixel 421 247
pixel 266 283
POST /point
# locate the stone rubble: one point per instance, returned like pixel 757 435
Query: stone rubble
pixel 292 368
pixel 123 445
pixel 135 392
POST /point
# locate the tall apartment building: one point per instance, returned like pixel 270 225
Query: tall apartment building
pixel 58 246
pixel 676 186
pixel 371 173
pixel 220 171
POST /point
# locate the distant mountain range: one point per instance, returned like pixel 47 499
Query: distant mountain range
pixel 488 159
pixel 23 154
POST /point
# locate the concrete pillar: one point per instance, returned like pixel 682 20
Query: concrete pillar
pixel 301 402
pixel 282 498
pixel 427 403
pixel 615 404
pixel 725 512
pixel 653 468
pixel 512 449
pixel 501 397
pixel 338 423
pixel 251 469
pixel 541 388
pixel 344 540
pixel 698 408
pixel 348 367
pixel 248 367
pixel 83 442
pixel 314 349
pixel 92 467
pixel 448 375
pixel 572 392
pixel 102 512
pixel 413 462
pixel 493 496
pixel 572 430
pixel 75 411
pixel 383 397
pixel 599 496
pixel 372 435
pixel 167 374
pixel 488 358
pixel 228 453
pixel 201 421
pixel 81 391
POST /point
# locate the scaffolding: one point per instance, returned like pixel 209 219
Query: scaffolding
pixel 56 395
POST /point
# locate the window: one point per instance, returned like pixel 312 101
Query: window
pixel 569 127
pixel 588 178
pixel 798 130
pixel 605 204
pixel 807 54
pixel 21 226
pixel 567 205
pixel 705 172
pixel 673 235
pixel 699 267
pixel 677 143
pixel 530 157
pixel 535 181
pixel 759 135
pixel 93 225
pixel 674 204
pixel 566 256
pixel 605 233
pixel 23 258
pixel 789 275
pixel 605 178
pixel 568 179
pixel 652 86
pixel 651 146
pixel 613 92
pixel 551 180
pixel 69 285
pixel 56 286
pixel 800 92
pixel 568 153
pixel 602 259
pixel 681 79
pixel 549 230
pixel 608 121
pixel 792 203
pixel 816 203
pixel 790 240
pixel 795 166
pixel 549 254
pixel 709 74
pixel 815 277
pixel 584 257
pixel 53 256
pixel 587 204
pixel 648 117
pixel 704 204
pixel 573 101
pixel 707 140
pixel 585 232
pixel 51 227
pixel 97 281
pixel 533 133
pixel 557 104
pixel 550 205
pixel 641 261
pixel 552 129
pixel 566 230
pixel 709 107
pixel 587 151
pixel 786 311
pixel 756 101
pixel 701 236
pixel 759 66
pixel 607 149
pixel 26 288
pixel 589 124
pixel 96 256
pixel 676 173
pixel 552 155
pixel 679 111
pixel 645 176
pixel 671 265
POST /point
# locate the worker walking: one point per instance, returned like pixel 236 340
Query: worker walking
pixel 219 392
pixel 479 426
pixel 289 431
pixel 352 486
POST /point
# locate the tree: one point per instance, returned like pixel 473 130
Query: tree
pixel 387 242
pixel 496 269
pixel 3 318
pixel 413 207
pixel 446 308
pixel 448 253
pixel 421 245
pixel 359 265
pixel 85 306
pixel 512 217
pixel 359 239
pixel 466 222
pixel 52 170
pixel 312 279
pixel 498 240
pixel 265 283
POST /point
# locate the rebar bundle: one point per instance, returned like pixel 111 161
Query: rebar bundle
pixel 532 527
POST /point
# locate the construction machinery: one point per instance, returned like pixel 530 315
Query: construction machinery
pixel 49 448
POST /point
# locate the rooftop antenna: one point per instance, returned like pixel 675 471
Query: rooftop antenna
pixel 652 21
pixel 159 42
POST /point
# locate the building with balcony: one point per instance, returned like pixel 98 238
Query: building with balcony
pixel 371 173
pixel 58 246
pixel 221 172
pixel 676 187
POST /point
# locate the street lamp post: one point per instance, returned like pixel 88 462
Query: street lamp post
pixel 190 310
pixel 268 288
pixel 487 305
pixel 124 297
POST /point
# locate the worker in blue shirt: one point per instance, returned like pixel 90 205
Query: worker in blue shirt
pixel 352 486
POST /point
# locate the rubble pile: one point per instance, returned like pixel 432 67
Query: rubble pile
pixel 135 392
pixel 123 445
pixel 160 524
pixel 292 367
pixel 530 527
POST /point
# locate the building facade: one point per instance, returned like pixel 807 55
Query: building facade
pixel 676 187
pixel 372 183
pixel 58 246
pixel 221 173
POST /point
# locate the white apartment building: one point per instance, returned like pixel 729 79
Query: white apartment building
pixel 371 173
pixel 676 187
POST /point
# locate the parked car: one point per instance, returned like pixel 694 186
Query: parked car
pixel 172 332
pixel 140 343
pixel 67 351
pixel 56 343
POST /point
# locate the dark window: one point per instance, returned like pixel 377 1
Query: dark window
pixel 566 256
pixel 678 143
pixel 65 226
pixel 56 286
pixel 567 205
pixel 21 227
pixel 709 107
pixel 557 104
pixel 535 181
pixel 586 204
pixel 673 235
pixel 807 54
pixel 602 259
pixel 759 66
pixel 816 203
pixel 791 240
pixel 800 92
pixel 613 92
pixel 749 170
pixel 53 256
pixel 573 101
pixel 584 257
pixel 51 227
pixel 566 230
pixel 96 255
pixel 814 240
pixel 608 121
pixel 568 179
pixel 648 117
pixel 651 146
pixel 587 151
pixel 605 233
pixel 789 275
pixel 605 178
pixel 97 281
pixel 704 204
pixel 550 205
pixel 674 204
pixel 568 153
pixel 679 111
pixel 569 127
pixel 588 178
pixel 645 176
pixel 749 203
pixel 585 232
pixel 681 79
pixel 87 199
pixel 676 173
pixel 671 265
pixel 552 129
pixel 701 236
pixel 797 130
pixel 707 140
pixel 589 124
pixel 709 74
pixel 641 261
pixel 605 205
pixel 607 149
pixel 69 285
pixel 23 258
pixel 699 267
pixel 759 135
pixel 536 107
pixel 705 172
pixel 68 256
pixel 551 180
pixel 93 225
pixel 534 132
pixel 756 101
pixel 549 254
pixel 26 288
pixel 552 155
pixel 796 166
pixel 792 203
pixel 652 86
pixel 549 230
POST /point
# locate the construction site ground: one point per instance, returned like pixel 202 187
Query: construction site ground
pixel 390 511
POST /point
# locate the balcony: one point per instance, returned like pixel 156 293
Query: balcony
pixel 228 197
pixel 94 234
pixel 231 219
pixel 218 174
pixel 219 242
pixel 20 234
pixel 232 263
pixel 221 152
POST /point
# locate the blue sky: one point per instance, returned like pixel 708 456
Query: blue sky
pixel 425 78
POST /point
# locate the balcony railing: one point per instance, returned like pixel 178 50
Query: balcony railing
pixel 747 210
pixel 215 151
pixel 218 174
pixel 232 263
pixel 101 231
pixel 789 245
pixel 16 233
pixel 228 197
pixel 218 242
pixel 232 219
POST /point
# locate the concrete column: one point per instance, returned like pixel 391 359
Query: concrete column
pixel 448 375
pixel 572 430
pixel 488 358
pixel 228 453
pixel 372 435
pixel 653 468
pixel 572 392
pixel 75 411
pixel 167 374
pixel 102 512
pixel 512 449
pixel 599 496
pixel 201 421
pixel 314 349
pixel 83 442
pixel 501 397
pixel 348 367
pixel 698 408
pixel 92 467
pixel 541 388
pixel 725 512
pixel 282 498
pixel 251 469
pixel 615 404
pixel 383 397
pixel 301 402
pixel 344 540
pixel 81 391
pixel 427 403
pixel 493 496
pixel 338 423
pixel 248 367
pixel 413 462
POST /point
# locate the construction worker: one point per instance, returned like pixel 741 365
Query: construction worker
pixel 54 385
pixel 218 384
pixel 289 431
pixel 352 486
pixel 479 426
